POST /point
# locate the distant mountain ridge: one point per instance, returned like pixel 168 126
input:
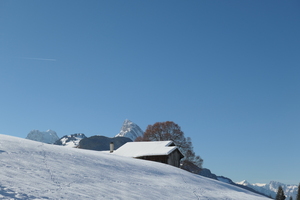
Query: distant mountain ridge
pixel 48 136
pixel 271 188
pixel 207 173
pixel 130 130
pixel 70 140
pixel 102 143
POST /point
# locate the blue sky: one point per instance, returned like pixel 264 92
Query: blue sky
pixel 226 71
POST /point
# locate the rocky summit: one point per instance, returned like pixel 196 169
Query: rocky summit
pixel 130 130
pixel 48 136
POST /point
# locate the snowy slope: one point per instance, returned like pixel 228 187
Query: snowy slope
pixel 130 130
pixel 271 188
pixel 35 170
pixel 48 136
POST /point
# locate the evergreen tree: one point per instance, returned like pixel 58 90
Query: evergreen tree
pixel 298 196
pixel 291 198
pixel 280 194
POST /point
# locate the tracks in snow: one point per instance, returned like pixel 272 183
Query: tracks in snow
pixel 52 177
pixel 194 190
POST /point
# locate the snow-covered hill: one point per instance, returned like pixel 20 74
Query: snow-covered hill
pixel 70 140
pixel 35 170
pixel 48 136
pixel 271 188
pixel 130 130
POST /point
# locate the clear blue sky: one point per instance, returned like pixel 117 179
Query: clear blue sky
pixel 228 72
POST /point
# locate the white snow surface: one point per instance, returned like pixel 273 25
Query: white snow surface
pixel 149 148
pixel 130 130
pixel 35 170
pixel 271 188
pixel 48 136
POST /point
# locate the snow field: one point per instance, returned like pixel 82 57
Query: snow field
pixel 34 170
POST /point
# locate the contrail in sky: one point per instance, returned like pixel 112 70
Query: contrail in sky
pixel 42 59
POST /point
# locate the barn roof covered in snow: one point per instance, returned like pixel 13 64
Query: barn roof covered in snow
pixel 149 148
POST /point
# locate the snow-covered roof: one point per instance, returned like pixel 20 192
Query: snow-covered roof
pixel 150 148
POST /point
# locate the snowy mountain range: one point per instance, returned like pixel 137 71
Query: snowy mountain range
pixel 271 188
pixel 35 170
pixel 48 136
pixel 130 130
pixel 207 173
pixel 70 140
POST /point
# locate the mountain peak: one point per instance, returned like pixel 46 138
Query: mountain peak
pixel 127 121
pixel 70 140
pixel 48 136
pixel 130 130
pixel 244 182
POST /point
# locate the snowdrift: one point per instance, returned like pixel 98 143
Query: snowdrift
pixel 34 170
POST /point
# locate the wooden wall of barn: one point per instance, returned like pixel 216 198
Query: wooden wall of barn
pixel 174 158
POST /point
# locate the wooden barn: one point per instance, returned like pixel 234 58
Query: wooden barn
pixel 158 151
